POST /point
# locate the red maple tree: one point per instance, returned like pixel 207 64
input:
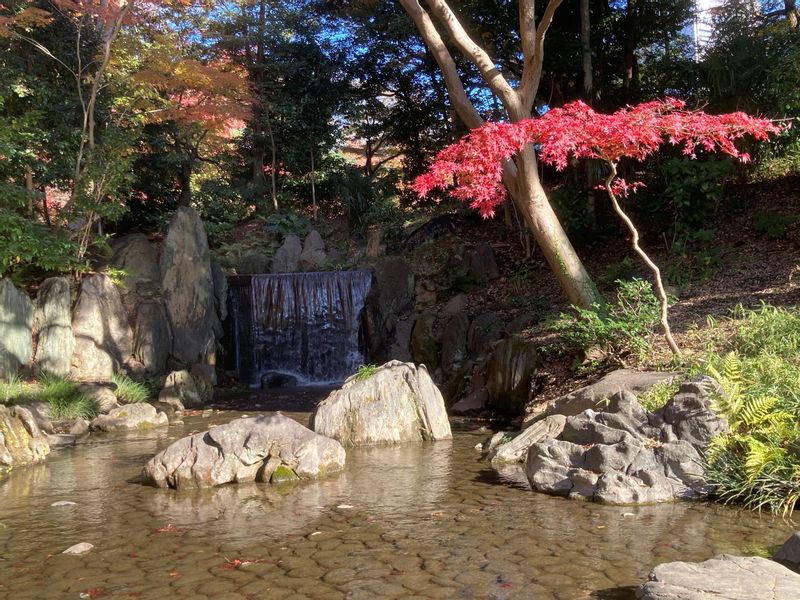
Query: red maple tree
pixel 472 167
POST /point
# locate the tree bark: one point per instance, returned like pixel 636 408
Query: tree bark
pixel 521 175
pixel 629 50
pixel 586 50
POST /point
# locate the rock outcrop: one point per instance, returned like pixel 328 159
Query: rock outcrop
pixel 789 553
pixel 510 368
pixel 287 257
pixel 313 256
pixel 188 288
pixel 594 395
pixel 723 577
pixel 398 403
pixel 388 308
pixel 21 440
pixel 52 324
pixel 16 321
pixel 267 448
pixel 181 391
pixel 131 416
pixel 103 337
pixel 626 455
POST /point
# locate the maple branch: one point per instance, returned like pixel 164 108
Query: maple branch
pixel 532 71
pixel 662 294
pixel 478 56
pixel 458 96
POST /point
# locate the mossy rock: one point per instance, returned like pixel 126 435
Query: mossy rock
pixel 283 474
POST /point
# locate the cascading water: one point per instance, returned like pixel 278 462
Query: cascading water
pixel 305 325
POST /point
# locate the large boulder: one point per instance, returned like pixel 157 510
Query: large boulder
pixel 596 394
pixel 387 309
pixel 267 448
pixel 188 287
pixel 626 455
pixel 137 258
pixel 313 256
pixel 287 257
pixel 424 342
pixel 103 337
pixel 454 344
pixel 220 290
pixel 181 391
pixel 789 553
pixel 481 263
pixel 723 577
pixel 21 440
pixel 398 403
pixel 140 416
pixel 510 369
pixel 152 336
pixel 52 323
pixel 16 322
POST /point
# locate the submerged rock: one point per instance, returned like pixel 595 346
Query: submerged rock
pixel 21 440
pixel 626 455
pixel 723 577
pixel 247 449
pixel 398 403
pixel 131 416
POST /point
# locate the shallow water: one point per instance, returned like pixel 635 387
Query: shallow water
pixel 415 521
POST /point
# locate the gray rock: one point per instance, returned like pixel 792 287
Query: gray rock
pixel 52 322
pixel 220 290
pixel 424 343
pixel 517 449
pixel 391 298
pixel 254 262
pixel 180 391
pixel 456 304
pixel 152 337
pixel 313 256
pixel 287 257
pixel 595 395
pixel 16 322
pixel 689 412
pixel 481 263
pixel 510 369
pixel 137 257
pixel 102 394
pixel 103 337
pixel 483 330
pixel 247 449
pixel 131 416
pixel 399 403
pixel 21 440
pixel 454 344
pixel 57 440
pixel 188 287
pixel 723 577
pixel 81 548
pixel 79 427
pixel 632 461
pixel 790 551
pixel 474 401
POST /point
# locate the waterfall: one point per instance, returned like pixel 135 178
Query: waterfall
pixel 305 325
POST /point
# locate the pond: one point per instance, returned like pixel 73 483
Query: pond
pixel 413 521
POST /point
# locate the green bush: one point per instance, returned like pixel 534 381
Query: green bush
pixel 658 395
pixel 772 224
pixel 616 329
pixel 129 391
pixel 364 372
pixel 757 463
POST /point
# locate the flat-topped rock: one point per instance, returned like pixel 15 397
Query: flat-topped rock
pixel 131 416
pixel 266 448
pixel 723 577
pixel 398 403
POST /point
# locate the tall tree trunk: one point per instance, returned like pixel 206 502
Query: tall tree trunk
pixel 586 51
pixel 273 163
pixel 30 189
pixel 185 199
pixel 629 49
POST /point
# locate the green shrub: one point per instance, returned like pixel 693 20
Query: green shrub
pixel 616 329
pixel 757 463
pixel 364 372
pixel 658 395
pixel 129 391
pixel 14 391
pixel 772 224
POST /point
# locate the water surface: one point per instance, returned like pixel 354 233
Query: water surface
pixel 415 521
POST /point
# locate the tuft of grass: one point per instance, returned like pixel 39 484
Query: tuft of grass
pixel 65 399
pixel 129 391
pixel 364 372
pixel 14 391
pixel 657 396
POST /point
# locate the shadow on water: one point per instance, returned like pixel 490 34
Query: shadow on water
pixel 620 593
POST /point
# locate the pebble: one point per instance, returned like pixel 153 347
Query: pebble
pixel 81 548
pixel 64 503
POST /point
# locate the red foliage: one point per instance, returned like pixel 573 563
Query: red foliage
pixel 474 164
